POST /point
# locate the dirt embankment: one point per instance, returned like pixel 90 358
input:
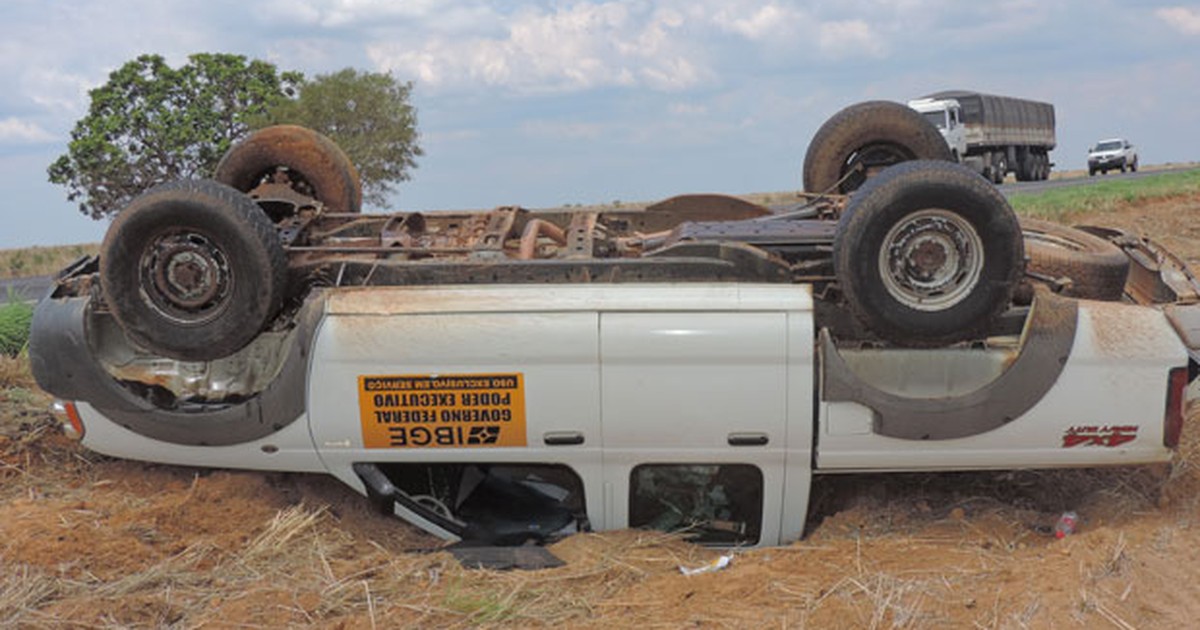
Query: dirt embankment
pixel 89 541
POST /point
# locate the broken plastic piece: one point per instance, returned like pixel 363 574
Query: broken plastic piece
pixel 716 565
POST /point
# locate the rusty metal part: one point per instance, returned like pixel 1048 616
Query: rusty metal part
pixel 533 231
pixel 279 199
pixel 708 207
pixel 186 275
pixel 581 236
pixel 1156 276
pixel 478 234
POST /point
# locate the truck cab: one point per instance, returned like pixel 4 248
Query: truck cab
pixel 946 115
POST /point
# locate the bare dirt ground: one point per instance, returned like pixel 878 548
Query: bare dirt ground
pixel 87 541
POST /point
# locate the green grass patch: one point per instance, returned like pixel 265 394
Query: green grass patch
pixel 1056 203
pixel 14 327
pixel 480 606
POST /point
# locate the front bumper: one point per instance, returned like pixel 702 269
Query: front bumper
pixel 1115 161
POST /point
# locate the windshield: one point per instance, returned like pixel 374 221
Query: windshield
pixel 937 118
pixel 1111 145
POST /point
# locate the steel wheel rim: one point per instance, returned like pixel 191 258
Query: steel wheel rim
pixel 185 277
pixel 869 160
pixel 931 260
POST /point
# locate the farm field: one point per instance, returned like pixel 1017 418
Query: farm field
pixel 88 541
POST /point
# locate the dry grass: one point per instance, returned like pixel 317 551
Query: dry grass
pixel 41 261
pixel 86 541
pixel 948 552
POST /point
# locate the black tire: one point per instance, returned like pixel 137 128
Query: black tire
pixel 316 166
pixel 1133 166
pixel 999 171
pixel 192 270
pixel 870 136
pixel 1097 268
pixel 1091 172
pixel 1027 168
pixel 928 253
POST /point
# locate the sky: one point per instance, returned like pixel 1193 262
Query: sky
pixel 594 101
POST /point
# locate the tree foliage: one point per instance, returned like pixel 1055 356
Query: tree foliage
pixel 368 115
pixel 151 123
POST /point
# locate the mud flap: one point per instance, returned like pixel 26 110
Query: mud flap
pixel 1045 346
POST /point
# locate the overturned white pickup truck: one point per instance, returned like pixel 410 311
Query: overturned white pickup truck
pixel 510 375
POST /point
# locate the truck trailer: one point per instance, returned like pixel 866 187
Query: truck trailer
pixel 994 135
pixel 508 376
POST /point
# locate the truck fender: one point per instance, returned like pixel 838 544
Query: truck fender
pixel 1045 345
pixel 64 365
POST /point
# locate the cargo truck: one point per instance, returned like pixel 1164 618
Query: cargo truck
pixel 508 376
pixel 994 135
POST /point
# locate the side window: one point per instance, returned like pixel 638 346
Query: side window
pixel 501 504
pixel 719 504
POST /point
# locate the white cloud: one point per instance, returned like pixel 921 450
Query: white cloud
pixel 578 47
pixel 762 24
pixel 56 90
pixel 850 38
pixel 1183 19
pixel 687 109
pixel 567 130
pixel 339 13
pixel 16 131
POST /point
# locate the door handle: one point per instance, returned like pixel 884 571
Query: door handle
pixel 748 439
pixel 562 438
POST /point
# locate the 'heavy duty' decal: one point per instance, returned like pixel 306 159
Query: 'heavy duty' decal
pixel 443 410
pixel 1108 436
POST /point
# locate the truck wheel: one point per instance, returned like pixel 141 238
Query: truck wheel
pixel 862 140
pixel 315 166
pixel 192 270
pixel 999 170
pixel 927 254
pixel 1133 166
pixel 1096 268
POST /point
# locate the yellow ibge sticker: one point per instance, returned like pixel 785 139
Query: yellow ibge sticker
pixel 442 410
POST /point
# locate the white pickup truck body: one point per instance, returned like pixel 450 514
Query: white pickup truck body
pixel 509 375
pixel 604 379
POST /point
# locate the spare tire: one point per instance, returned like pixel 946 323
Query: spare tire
pixel 315 166
pixel 192 270
pixel 862 140
pixel 1096 268
pixel 928 253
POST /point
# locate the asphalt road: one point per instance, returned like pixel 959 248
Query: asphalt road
pixel 24 289
pixel 1084 180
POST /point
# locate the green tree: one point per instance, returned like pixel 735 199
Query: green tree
pixel 368 115
pixel 151 123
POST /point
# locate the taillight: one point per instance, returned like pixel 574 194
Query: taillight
pixel 1173 421
pixel 68 415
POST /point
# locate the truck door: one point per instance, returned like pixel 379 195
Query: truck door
pixel 439 405
pixel 695 413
